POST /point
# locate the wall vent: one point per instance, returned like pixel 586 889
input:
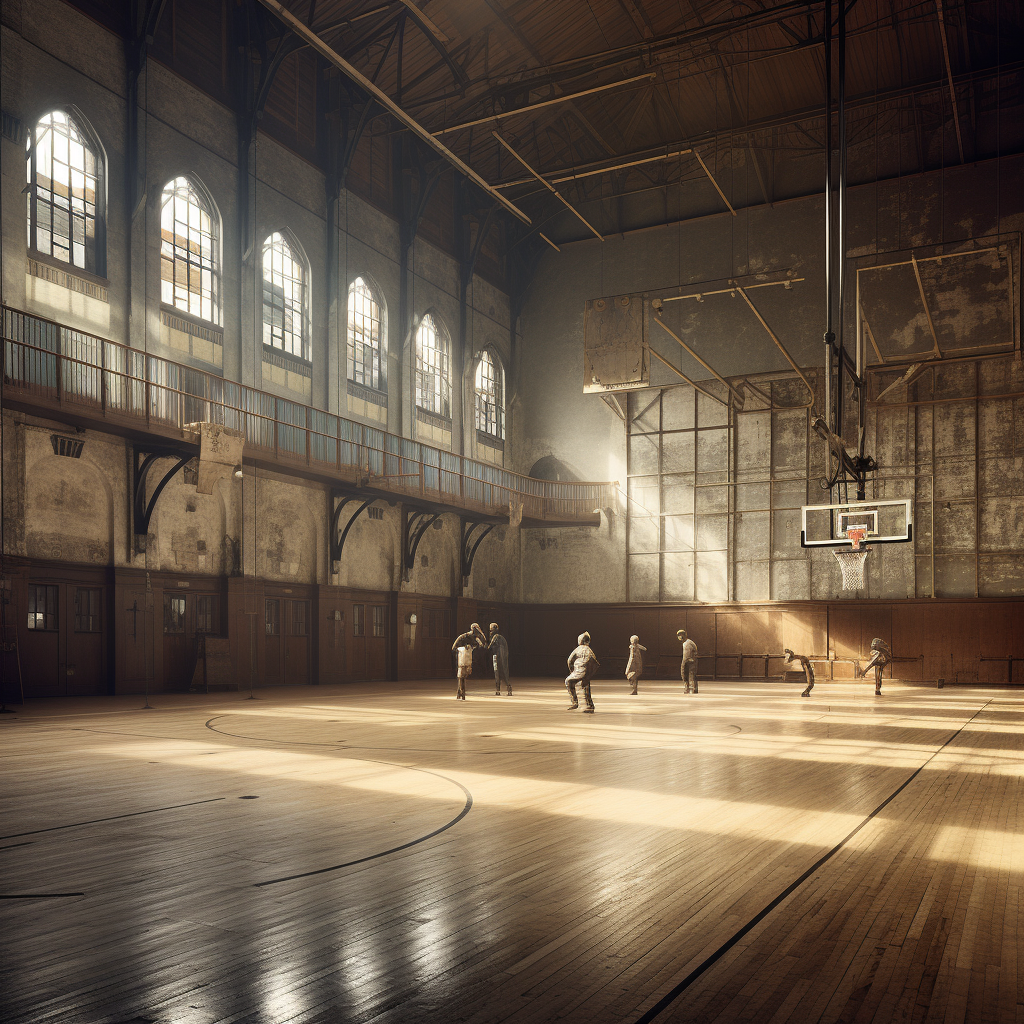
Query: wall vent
pixel 69 447
pixel 12 129
pixel 375 513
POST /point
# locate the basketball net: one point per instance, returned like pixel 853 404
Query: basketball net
pixel 854 561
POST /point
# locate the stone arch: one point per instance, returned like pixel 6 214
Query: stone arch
pixel 69 511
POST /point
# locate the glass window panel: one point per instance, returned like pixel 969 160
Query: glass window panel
pixel 490 396
pixel 284 298
pixel 62 170
pixel 433 376
pixel 174 614
pixel 189 274
pixel 366 349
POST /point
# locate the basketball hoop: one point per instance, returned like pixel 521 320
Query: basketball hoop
pixel 854 562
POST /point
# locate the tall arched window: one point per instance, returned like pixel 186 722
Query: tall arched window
pixel 189 259
pixel 65 178
pixel 366 347
pixel 490 397
pixel 433 368
pixel 284 298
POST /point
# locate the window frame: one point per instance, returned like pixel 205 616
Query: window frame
pixel 442 393
pixel 50 608
pixel 89 620
pixel 94 254
pixel 284 242
pixel 171 251
pixel 379 351
pixel 378 620
pixel 486 410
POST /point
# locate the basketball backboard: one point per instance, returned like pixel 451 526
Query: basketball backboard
pixel 885 521
pixel 615 348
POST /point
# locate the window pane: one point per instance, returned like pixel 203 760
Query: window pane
pixel 378 619
pixel 188 271
pixel 365 349
pixel 357 620
pixel 62 170
pixel 87 610
pixel 42 607
pixel 284 298
pixel 174 614
pixel 299 617
pixel 273 616
pixel 433 378
pixel 490 397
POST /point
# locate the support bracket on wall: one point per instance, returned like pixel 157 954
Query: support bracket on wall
pixel 142 510
pixel 338 539
pixel 470 542
pixel 414 525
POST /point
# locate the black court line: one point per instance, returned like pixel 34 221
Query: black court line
pixel 670 997
pixel 14 846
pixel 394 849
pixel 39 895
pixel 115 817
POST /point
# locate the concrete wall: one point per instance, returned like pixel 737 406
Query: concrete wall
pixel 714 498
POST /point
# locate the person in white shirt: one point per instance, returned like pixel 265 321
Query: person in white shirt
pixel 635 665
pixel 583 664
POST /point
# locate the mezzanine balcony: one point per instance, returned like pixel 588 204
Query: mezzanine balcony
pixel 85 380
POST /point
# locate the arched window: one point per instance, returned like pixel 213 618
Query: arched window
pixel 366 347
pixel 490 396
pixel 189 261
pixel 433 369
pixel 284 298
pixel 65 178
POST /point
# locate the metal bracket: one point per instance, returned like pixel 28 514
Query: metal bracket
pixel 414 525
pixel 338 539
pixel 470 543
pixel 142 509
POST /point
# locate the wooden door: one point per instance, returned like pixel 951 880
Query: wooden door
pixel 296 636
pixel 377 642
pixel 41 661
pixel 358 649
pixel 187 617
pixel 273 643
pixel 85 637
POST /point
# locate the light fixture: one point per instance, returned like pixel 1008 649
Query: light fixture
pixel 238 472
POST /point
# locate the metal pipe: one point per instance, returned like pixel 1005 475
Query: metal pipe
pixel 547 184
pixel 600 170
pixel 331 55
pixel 781 347
pixel 829 334
pixel 693 384
pixel 949 78
pixel 841 218
pixel 707 366
pixel 711 178
pixel 730 290
pixel 924 302
pixel 929 259
pixel 545 103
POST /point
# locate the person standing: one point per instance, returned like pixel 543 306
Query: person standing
pixel 498 647
pixel 881 655
pixel 688 669
pixel 582 664
pixel 464 644
pixel 805 664
pixel 635 664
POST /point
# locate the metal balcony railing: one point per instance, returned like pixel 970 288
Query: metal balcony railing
pixel 54 368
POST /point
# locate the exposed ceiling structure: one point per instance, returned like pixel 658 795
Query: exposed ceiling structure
pixel 618 103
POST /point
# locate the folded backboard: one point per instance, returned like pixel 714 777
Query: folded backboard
pixel 615 350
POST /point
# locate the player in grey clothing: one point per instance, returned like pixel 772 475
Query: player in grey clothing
pixel 498 647
pixel 688 669
pixel 582 664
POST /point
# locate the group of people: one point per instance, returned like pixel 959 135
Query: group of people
pixel 583 664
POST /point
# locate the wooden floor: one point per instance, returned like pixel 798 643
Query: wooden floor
pixel 384 853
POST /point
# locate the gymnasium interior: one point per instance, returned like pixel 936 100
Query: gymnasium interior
pixel 672 347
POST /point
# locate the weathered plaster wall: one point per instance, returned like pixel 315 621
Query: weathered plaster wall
pixel 714 508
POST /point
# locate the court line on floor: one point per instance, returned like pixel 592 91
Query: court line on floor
pixel 467 807
pixel 115 817
pixel 39 895
pixel 673 994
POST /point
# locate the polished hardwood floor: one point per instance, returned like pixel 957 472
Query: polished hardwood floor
pixel 383 852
